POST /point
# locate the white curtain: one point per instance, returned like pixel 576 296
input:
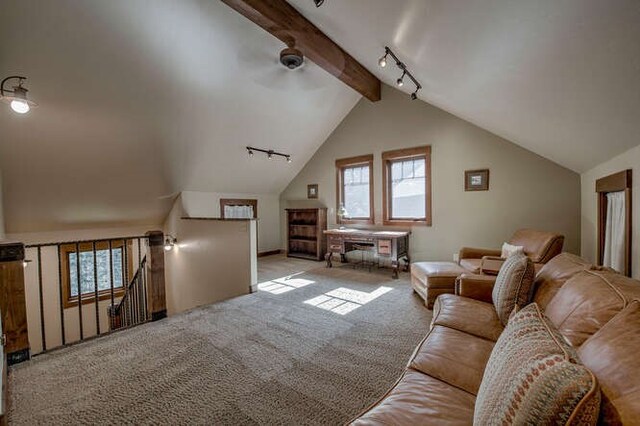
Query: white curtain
pixel 614 247
pixel 238 212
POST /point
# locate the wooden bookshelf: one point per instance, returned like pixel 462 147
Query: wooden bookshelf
pixel 305 237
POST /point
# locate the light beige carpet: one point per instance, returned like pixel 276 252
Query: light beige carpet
pixel 314 349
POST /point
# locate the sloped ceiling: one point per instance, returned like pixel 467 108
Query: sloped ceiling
pixel 560 78
pixel 141 99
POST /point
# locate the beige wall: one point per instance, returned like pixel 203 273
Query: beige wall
pixel 526 190
pixel 207 204
pixel 213 260
pixel 627 160
pixel 51 289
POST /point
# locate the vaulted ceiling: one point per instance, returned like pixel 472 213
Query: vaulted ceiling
pixel 560 78
pixel 142 99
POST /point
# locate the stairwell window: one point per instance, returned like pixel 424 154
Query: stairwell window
pixel 88 275
pixel 407 186
pixel 354 189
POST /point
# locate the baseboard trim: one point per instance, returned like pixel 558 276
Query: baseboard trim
pixel 269 253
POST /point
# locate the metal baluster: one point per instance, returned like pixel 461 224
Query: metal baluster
pixel 111 307
pixel 79 290
pixel 139 280
pixel 61 299
pixel 44 339
pixel 95 287
pixel 125 278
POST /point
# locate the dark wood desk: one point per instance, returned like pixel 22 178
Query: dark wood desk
pixel 393 245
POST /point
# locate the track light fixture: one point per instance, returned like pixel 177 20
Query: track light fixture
pixel 383 60
pixel 405 72
pixel 318 2
pixel 270 153
pixel 17 97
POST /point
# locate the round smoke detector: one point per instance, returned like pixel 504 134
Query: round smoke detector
pixel 291 58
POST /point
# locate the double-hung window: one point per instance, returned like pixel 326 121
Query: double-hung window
pixel 354 178
pixel 407 186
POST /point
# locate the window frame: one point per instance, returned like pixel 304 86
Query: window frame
pixel 89 297
pixel 388 158
pixel 238 202
pixel 341 165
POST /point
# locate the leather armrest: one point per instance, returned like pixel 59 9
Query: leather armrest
pixel 477 253
pixel 491 265
pixel 477 287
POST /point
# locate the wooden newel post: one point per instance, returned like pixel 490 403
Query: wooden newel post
pixel 13 304
pixel 156 294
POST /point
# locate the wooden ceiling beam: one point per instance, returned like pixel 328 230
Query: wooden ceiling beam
pixel 287 24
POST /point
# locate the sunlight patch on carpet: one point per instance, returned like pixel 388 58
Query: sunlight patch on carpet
pixel 284 284
pixel 345 300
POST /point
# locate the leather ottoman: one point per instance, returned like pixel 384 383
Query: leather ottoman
pixel 431 279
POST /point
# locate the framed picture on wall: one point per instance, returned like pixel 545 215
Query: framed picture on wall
pixel 312 191
pixel 476 180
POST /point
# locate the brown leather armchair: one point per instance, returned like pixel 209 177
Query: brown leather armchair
pixel 540 246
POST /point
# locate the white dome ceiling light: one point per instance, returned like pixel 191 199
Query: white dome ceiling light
pixel 16 98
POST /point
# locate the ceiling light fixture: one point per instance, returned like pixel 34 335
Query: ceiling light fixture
pixel 318 2
pixel 169 243
pixel 383 60
pixel 17 97
pixel 270 153
pixel 405 72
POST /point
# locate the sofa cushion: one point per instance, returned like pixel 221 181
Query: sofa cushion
pixel 419 399
pixel 453 356
pixel 464 314
pixel 471 265
pixel 513 287
pixel 532 377
pixel 589 300
pixel 612 355
pixel 554 274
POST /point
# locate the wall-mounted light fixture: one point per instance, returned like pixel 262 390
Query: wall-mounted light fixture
pixel 17 97
pixel 169 242
pixel 270 153
pixel 405 72
pixel 26 263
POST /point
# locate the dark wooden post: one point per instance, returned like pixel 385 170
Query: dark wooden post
pixel 13 304
pixel 156 294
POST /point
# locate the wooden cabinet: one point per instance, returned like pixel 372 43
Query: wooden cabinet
pixel 305 238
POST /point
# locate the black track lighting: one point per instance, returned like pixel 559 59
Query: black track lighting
pixel 405 72
pixel 270 153
pixel 318 2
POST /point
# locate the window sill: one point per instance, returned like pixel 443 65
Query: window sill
pixel 88 298
pixel 405 222
pixel 355 222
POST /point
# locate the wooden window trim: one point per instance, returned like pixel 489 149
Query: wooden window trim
pixel 342 164
pixel 389 157
pixel 238 202
pixel 72 301
pixel 617 182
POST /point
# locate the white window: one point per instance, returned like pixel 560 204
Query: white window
pixel 406 175
pixel 354 187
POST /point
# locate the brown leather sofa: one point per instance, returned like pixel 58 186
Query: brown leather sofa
pixel 597 311
pixel 540 246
